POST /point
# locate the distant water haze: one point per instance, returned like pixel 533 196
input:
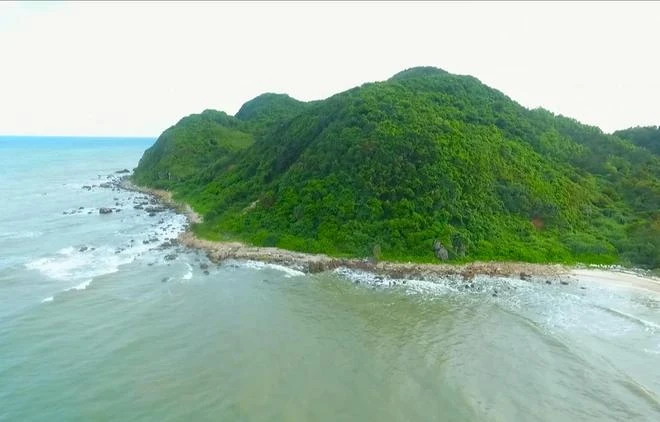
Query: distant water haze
pixel 99 321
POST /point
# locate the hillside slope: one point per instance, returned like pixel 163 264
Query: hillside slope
pixel 646 137
pixel 389 167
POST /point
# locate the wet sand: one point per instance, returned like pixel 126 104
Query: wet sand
pixel 617 278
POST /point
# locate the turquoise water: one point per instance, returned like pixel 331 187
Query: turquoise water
pixel 96 324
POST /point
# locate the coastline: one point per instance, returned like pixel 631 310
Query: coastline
pixel 218 251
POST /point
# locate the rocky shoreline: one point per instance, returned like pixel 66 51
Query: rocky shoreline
pixel 314 263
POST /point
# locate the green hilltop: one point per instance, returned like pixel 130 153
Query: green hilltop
pixel 386 168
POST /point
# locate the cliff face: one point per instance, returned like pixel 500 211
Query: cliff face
pixel 394 166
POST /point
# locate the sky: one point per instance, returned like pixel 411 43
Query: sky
pixel 134 69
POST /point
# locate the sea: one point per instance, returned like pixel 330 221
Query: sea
pixel 103 319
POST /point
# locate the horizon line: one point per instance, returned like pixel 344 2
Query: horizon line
pixel 79 136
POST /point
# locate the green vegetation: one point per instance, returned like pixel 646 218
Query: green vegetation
pixel 388 167
pixel 646 137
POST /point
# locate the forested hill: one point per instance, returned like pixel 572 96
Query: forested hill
pixel 387 168
pixel 646 137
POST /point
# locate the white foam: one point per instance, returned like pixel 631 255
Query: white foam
pixel 48 299
pixel 189 274
pixel 26 234
pixel 70 264
pixel 444 286
pixel 288 272
pixel 81 286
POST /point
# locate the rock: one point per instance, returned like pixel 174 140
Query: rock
pixel 164 280
pixel 315 267
pixel 206 272
pixel 83 249
pixel 87 187
pixel 525 276
pixel 155 209
pixel 81 208
pixel 204 266
pixel 105 185
pixel 548 282
pixel 583 288
pixel 104 210
pixel 122 171
pixel 152 214
pixel 563 282
pixel 440 251
pixel 170 257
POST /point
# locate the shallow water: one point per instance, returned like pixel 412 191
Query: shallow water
pixel 117 332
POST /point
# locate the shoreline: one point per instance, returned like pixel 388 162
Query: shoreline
pixel 218 251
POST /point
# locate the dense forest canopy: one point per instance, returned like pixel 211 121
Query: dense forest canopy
pixel 646 137
pixel 389 167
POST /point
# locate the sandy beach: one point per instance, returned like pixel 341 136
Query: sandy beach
pixel 622 279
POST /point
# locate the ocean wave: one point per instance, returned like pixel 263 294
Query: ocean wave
pixel 72 264
pixel 258 265
pixel 188 275
pixel 439 286
pixel 48 299
pixel 647 325
pixel 16 235
pixel 81 286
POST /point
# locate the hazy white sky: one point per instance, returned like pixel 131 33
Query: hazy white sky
pixel 129 68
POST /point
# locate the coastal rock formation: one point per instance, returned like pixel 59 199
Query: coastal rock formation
pixel 440 251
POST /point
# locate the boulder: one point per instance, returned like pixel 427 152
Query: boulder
pixel 104 210
pixel 440 251
pixel 155 209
